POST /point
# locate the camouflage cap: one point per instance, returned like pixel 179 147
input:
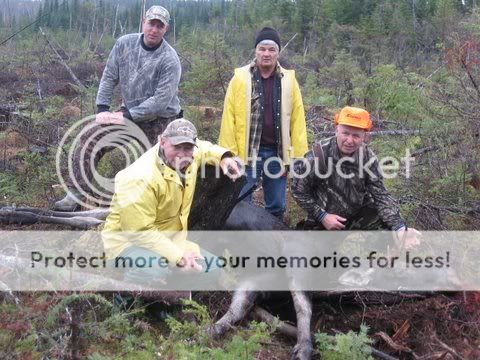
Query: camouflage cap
pixel 180 131
pixel 159 13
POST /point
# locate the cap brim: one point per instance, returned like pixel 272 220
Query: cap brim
pixel 355 125
pixel 163 20
pixel 175 140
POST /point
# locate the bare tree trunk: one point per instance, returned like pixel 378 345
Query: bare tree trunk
pixel 39 92
pixel 75 79
pixel 27 218
pixel 105 25
pixel 218 66
pixel 93 28
pixel 142 13
pixel 115 21
pixel 305 47
pixel 9 17
pixel 122 27
pixel 414 19
pixel 288 42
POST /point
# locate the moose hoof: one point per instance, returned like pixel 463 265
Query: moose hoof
pixel 214 331
pixel 302 352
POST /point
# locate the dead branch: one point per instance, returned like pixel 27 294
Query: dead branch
pixel 261 314
pixel 395 346
pixel 39 92
pixel 115 21
pixel 28 218
pixel 378 133
pixel 446 347
pixel 368 297
pixel 288 42
pixel 75 79
pixel 433 148
pixel 409 199
pixel 92 29
pixel 99 213
pixel 470 76
pixel 218 66
pixel 377 353
pixel 101 36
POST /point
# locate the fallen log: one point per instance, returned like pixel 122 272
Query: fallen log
pixel 261 314
pixel 28 218
pixel 376 297
pixel 214 199
pixel 99 213
pixel 378 133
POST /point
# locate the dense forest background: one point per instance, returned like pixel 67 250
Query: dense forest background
pixel 414 64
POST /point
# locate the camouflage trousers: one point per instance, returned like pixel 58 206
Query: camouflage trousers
pixel 87 155
pixel 367 218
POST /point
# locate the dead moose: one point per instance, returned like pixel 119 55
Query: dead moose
pixel 222 198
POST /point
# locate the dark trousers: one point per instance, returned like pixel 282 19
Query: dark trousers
pixel 89 150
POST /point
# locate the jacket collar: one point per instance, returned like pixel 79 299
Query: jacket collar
pixel 278 69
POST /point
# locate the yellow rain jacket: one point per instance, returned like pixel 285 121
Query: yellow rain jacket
pixel 151 205
pixel 235 128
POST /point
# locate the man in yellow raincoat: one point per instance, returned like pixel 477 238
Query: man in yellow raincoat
pixel 152 201
pixel 264 121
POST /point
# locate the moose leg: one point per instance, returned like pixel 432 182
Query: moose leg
pixel 242 303
pixel 303 308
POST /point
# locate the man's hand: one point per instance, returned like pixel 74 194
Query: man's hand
pixel 409 238
pixel 230 168
pixel 188 262
pixel 106 117
pixel 333 222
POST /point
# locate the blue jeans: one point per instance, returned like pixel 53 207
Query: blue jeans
pixel 274 183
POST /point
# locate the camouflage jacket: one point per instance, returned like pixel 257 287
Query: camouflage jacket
pixel 345 191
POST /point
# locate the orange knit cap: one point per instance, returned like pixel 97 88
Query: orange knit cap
pixel 355 117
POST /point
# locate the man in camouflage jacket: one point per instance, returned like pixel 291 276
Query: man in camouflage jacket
pixel 339 184
pixel 147 70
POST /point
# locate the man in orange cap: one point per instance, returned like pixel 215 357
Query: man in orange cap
pixel 340 185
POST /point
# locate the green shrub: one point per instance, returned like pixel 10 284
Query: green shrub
pixel 188 340
pixel 345 346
